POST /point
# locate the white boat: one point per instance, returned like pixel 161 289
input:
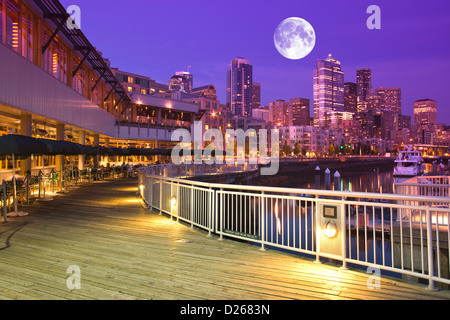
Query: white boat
pixel 409 164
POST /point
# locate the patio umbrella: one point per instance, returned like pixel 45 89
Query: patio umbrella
pixel 134 151
pixel 21 146
pixel 71 148
pixel 54 147
pixel 104 150
pixel 147 152
pixel 90 150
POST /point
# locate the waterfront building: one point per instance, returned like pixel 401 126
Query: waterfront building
pixel 55 84
pixel 212 113
pixel 135 83
pixel 312 140
pixel 328 90
pixel 239 87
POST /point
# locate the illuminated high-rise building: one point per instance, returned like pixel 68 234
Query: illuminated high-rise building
pixel 392 99
pixel 256 95
pixel 328 90
pixel 350 97
pixel 363 83
pixel 240 87
pixel 425 112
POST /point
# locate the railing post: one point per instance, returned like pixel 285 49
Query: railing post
pixel 343 230
pixel 210 211
pixel 314 223
pixel 263 223
pixel 431 285
pixel 170 201
pixel 160 196
pixel 220 216
pixel 191 217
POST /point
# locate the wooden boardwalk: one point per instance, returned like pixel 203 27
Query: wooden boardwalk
pixel 124 251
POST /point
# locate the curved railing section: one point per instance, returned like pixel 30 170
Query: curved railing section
pixel 399 233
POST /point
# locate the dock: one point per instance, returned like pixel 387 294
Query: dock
pixel 124 251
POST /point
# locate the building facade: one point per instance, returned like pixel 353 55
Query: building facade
pixel 363 86
pixel 391 99
pixel 239 87
pixel 300 113
pixel 350 97
pixel 55 85
pixel 328 90
pixel 181 81
pixel 280 114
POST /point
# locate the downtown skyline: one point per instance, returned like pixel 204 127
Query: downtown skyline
pixel 151 42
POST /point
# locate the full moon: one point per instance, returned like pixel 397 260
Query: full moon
pixel 294 38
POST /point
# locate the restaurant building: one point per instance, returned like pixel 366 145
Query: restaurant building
pixel 55 84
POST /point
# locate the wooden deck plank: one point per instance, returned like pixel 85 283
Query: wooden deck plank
pixel 125 251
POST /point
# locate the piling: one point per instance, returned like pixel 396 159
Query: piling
pixel 337 181
pixel 327 179
pixel 317 177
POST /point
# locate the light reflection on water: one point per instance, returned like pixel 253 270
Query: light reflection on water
pixel 372 180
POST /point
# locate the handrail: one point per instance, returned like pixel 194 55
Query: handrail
pixel 294 219
pixel 318 192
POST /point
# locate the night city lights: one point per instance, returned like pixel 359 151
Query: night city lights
pixel 224 157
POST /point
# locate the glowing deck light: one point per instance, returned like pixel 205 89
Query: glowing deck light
pixel 330 229
pixel 173 201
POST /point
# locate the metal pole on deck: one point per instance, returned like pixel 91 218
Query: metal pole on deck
pixel 431 285
pixel 5 211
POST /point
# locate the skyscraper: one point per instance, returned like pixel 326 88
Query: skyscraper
pixel 240 87
pixel 363 87
pixel 256 95
pixel 350 97
pixel 328 90
pixel 392 99
pixel 425 112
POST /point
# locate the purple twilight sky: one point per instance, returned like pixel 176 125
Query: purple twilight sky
pixel 158 38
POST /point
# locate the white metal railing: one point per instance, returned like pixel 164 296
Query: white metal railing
pixel 405 234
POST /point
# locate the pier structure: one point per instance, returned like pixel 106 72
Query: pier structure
pixel 356 229
pixel 124 251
